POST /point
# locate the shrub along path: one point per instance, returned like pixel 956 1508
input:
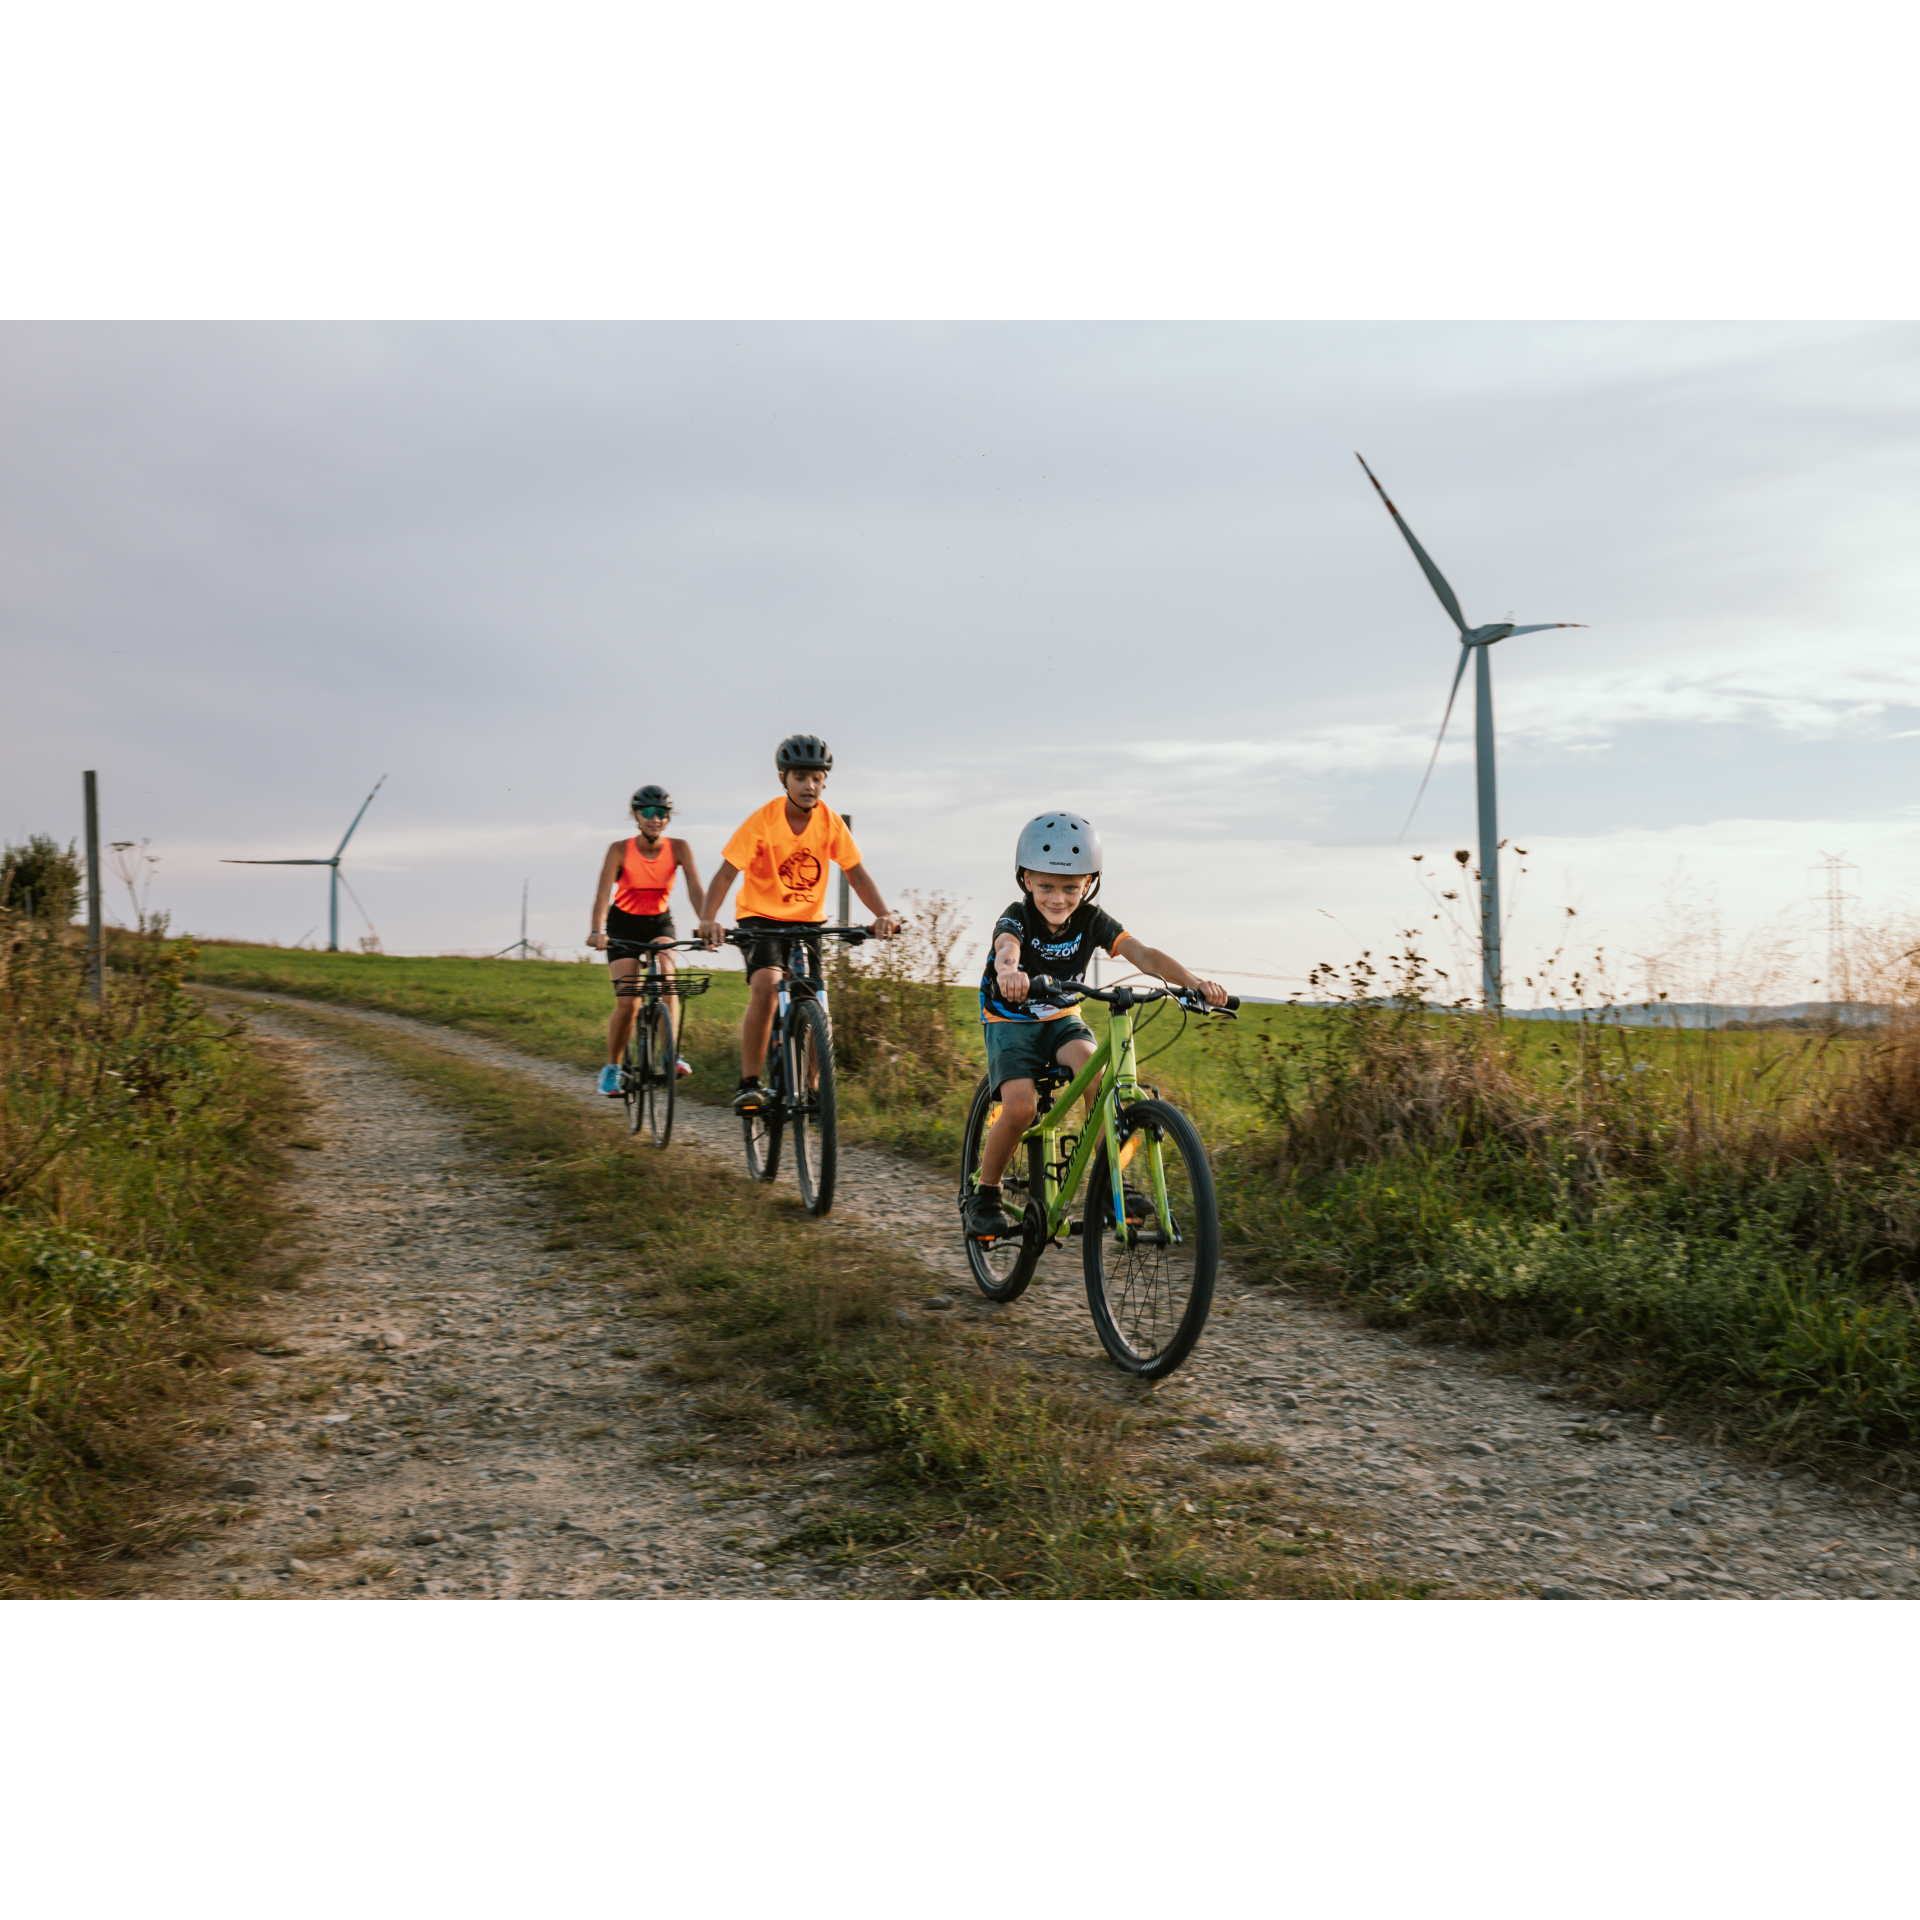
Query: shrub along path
pixel 1465 1479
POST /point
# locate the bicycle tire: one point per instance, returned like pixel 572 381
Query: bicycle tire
pixel 633 1077
pixel 1149 1300
pixel 1002 1269
pixel 761 1131
pixel 661 1073
pixel 812 1105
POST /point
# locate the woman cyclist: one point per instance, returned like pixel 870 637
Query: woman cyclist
pixel 630 914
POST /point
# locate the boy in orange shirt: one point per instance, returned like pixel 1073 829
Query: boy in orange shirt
pixel 784 850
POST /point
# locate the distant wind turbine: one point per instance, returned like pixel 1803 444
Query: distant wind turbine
pixel 333 861
pixel 522 946
pixel 1474 641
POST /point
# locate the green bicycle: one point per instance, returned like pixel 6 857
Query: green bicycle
pixel 1149 1232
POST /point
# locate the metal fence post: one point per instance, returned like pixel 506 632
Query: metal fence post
pixel 96 960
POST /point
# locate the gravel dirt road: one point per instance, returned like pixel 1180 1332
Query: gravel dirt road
pixel 441 1301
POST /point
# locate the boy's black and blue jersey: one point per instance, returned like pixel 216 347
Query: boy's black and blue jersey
pixel 1064 952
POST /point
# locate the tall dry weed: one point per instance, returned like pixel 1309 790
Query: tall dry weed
pixel 893 1028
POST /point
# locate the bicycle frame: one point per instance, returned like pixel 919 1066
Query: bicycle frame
pixel 1060 1180
pixel 797 965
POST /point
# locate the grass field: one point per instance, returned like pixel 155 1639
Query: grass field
pixel 1722 1226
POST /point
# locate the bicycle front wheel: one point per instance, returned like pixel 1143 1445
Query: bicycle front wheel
pixel 762 1130
pixel 1001 1268
pixel 633 1077
pixel 1150 1290
pixel 661 1075
pixel 816 1119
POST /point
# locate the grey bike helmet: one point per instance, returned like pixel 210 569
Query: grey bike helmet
pixel 803 753
pixel 651 796
pixel 1062 843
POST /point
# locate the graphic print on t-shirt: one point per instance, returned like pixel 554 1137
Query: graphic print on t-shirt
pixel 800 872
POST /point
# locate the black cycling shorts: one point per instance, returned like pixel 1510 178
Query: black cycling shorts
pixel 629 935
pixel 771 938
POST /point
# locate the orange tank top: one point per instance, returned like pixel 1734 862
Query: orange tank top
pixel 646 880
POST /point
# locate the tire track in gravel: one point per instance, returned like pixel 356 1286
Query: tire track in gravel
pixel 1460 1473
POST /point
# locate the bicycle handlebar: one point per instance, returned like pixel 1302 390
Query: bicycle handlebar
pixel 1189 997
pixel 745 936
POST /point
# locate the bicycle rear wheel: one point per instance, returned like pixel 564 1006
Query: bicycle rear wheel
pixel 1001 1268
pixel 660 1073
pixel 816 1118
pixel 762 1130
pixel 1150 1294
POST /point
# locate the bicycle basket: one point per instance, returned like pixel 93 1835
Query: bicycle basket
pixel 688 985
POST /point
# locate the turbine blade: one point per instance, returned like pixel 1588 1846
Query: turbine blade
pixel 1547 626
pixel 1435 578
pixel 364 805
pixel 276 863
pixel 1466 653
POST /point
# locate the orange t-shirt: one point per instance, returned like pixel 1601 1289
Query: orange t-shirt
pixel 646 879
pixel 784 874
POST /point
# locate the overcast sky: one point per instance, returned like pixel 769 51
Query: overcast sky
pixel 1128 568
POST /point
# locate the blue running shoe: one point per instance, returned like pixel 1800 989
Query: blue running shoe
pixel 610 1082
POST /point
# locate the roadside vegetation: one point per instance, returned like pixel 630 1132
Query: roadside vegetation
pixel 138 1153
pixel 807 1341
pixel 1723 1227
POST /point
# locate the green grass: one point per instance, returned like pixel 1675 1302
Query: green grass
pixel 804 1342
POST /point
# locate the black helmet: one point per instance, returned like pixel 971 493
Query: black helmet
pixel 651 796
pixel 803 753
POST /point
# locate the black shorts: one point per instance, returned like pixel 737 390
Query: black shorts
pixel 771 940
pixel 629 935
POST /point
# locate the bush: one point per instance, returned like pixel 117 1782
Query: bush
pixel 905 1068
pixel 40 879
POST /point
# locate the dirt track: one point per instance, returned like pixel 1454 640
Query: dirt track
pixel 441 1301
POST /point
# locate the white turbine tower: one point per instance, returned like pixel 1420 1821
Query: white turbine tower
pixel 332 860
pixel 1474 642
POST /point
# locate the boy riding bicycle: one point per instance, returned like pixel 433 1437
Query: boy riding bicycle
pixel 1053 928
pixel 630 914
pixel 784 850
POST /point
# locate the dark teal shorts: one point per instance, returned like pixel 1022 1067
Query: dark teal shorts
pixel 1021 1049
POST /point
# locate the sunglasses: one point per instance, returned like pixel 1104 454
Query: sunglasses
pixel 655 813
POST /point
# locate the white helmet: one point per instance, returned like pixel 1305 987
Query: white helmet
pixel 1058 843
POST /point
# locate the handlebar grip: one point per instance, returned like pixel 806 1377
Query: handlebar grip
pixel 1233 1003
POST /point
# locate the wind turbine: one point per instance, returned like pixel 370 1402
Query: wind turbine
pixel 333 861
pixel 521 945
pixel 1474 642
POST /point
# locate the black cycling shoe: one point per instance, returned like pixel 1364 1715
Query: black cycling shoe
pixel 983 1218
pixel 751 1097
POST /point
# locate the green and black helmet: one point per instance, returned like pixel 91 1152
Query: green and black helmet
pixel 803 753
